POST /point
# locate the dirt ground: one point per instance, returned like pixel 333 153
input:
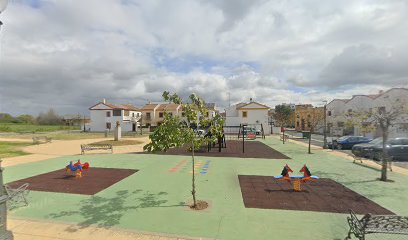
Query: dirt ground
pixel 68 148
pixel 253 149
pixel 321 195
pixel 92 181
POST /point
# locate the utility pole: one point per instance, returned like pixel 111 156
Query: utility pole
pixel 141 123
pixel 325 125
pixel 84 124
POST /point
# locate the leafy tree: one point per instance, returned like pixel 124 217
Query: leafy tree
pixel 382 119
pixel 176 131
pixel 26 118
pixel 6 118
pixel 282 116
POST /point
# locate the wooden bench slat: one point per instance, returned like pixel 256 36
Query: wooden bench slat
pixel 40 139
pixel 90 147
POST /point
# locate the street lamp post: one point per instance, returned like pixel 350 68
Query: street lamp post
pixel 4 233
pixel 325 125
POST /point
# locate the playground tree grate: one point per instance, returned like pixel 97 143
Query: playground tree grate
pixel 92 181
pixel 253 149
pixel 321 195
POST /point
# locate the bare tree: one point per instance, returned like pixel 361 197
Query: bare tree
pixel 49 118
pixel 315 120
pixel 383 119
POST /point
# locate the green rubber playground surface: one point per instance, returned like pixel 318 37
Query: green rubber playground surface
pixel 155 198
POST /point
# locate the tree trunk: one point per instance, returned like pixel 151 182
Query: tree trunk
pixel 219 143
pixel 283 134
pixel 384 154
pixel 193 191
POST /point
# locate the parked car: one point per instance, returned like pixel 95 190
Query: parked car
pixel 396 148
pixel 248 129
pixel 364 149
pixel 200 132
pixel 347 142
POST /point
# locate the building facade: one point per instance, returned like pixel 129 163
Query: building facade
pixel 309 118
pixel 341 113
pixel 153 113
pixel 251 113
pixel 104 116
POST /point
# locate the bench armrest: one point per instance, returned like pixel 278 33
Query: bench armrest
pixel 355 224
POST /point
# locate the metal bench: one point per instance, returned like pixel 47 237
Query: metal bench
pixel 16 196
pixel 41 139
pixel 90 147
pixel 386 224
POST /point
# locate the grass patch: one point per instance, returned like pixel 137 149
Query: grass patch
pixel 120 143
pixel 72 135
pixel 12 149
pixel 21 127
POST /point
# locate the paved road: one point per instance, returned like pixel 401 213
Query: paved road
pixel 317 140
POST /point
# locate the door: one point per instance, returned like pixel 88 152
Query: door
pixel 134 127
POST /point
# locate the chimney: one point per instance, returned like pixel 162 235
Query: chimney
pixel 104 101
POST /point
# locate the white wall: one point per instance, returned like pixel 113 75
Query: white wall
pixel 363 103
pixel 233 117
pixel 99 120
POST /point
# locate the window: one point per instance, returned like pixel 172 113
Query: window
pixel 244 114
pixel 108 125
pixel 126 113
pixel 308 124
pixel 160 114
pixel 340 124
pixel 329 113
pixel 117 113
pixel 297 123
pixel 108 114
pixel 133 114
pixel 148 116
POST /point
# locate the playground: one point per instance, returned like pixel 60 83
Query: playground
pixel 323 195
pixel 234 149
pixel 94 180
pixel 151 193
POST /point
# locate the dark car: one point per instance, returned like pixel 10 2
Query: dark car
pixel 347 142
pixel 396 148
pixel 364 149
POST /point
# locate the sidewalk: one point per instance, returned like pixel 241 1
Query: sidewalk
pixel 364 162
pixel 41 230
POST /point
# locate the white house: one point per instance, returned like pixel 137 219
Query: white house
pixel 340 110
pixel 105 115
pixel 251 113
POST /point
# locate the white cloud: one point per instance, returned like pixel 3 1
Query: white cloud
pixel 70 54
